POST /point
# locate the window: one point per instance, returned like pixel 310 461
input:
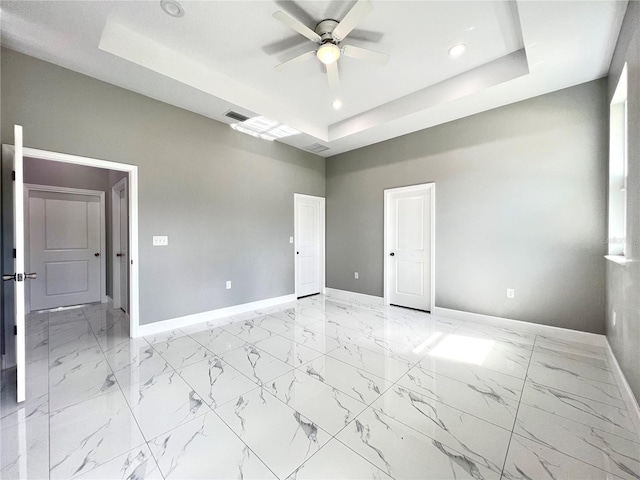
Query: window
pixel 618 168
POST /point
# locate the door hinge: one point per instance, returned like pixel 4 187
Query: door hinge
pixel 14 253
pixel 13 175
pixel 15 330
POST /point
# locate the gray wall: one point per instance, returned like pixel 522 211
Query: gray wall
pixel 57 174
pixel 225 199
pixel 520 202
pixel 623 281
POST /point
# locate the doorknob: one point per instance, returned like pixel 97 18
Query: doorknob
pixel 297 253
pixel 392 254
pixel 119 255
pixel 18 277
pixel 96 254
pixel 31 276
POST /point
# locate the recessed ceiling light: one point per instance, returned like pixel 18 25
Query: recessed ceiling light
pixel 336 104
pixel 171 7
pixel 457 50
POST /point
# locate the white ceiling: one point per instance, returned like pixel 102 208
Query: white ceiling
pixel 221 55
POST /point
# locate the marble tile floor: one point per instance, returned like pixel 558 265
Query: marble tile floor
pixel 322 388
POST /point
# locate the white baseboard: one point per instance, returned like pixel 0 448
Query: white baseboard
pixel 358 297
pixel 534 328
pixel 625 389
pixel 219 314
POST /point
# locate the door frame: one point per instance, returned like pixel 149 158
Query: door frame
pixel 387 203
pixel 29 187
pixel 115 235
pixel 321 240
pixel 132 170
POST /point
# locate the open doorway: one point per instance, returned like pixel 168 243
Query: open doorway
pixel 15 302
pixel 71 237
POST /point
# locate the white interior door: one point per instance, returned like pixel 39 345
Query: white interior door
pixel 124 242
pixel 408 229
pixel 309 243
pixel 17 277
pixel 64 247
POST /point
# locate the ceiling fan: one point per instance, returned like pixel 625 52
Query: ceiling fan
pixel 329 34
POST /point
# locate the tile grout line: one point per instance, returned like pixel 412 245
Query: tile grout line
pixel 560 451
pixel 212 410
pixel 367 406
pixel 146 443
pixel 289 406
pixel 580 396
pixel 393 384
pixel 173 371
pixel 515 418
pixel 293 369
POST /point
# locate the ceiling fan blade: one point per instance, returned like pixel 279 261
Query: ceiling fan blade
pixel 364 54
pixel 333 76
pixel 352 19
pixel 298 59
pixel 296 25
pixel 285 44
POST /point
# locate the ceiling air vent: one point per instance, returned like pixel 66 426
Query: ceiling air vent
pixel 236 116
pixel 316 148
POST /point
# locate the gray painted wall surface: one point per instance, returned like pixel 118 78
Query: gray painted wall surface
pixel 520 203
pixel 225 199
pixel 57 174
pixel 623 281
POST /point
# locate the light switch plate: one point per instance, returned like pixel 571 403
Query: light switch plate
pixel 290 239
pixel 228 284
pixel 160 240
pixel 511 293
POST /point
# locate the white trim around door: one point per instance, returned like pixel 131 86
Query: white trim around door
pixel 297 198
pixel 28 188
pixel 431 188
pixel 116 246
pixel 132 170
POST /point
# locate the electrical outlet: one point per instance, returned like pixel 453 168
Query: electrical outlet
pixel 160 241
pixel 355 275
pixel 511 293
pixel 613 318
pixel 228 284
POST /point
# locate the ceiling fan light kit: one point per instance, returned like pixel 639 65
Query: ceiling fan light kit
pixel 329 34
pixel 328 53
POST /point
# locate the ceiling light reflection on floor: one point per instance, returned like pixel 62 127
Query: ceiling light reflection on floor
pixel 463 349
pixel 429 341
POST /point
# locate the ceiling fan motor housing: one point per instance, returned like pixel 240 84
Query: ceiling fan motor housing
pixel 325 28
